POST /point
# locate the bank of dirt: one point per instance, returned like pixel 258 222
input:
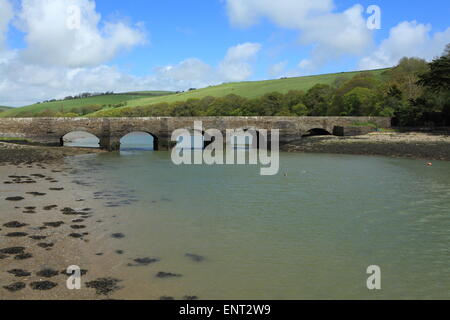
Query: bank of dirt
pixel 11 153
pixel 414 145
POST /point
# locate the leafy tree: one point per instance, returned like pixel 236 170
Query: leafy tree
pixel 300 110
pixel 437 79
pixel 358 102
pixel 272 104
pixel 407 74
pixel 318 99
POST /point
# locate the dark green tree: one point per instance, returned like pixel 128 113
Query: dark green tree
pixel 437 79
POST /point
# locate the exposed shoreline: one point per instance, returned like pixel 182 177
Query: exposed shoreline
pixel 412 145
pixel 46 237
pixel 11 153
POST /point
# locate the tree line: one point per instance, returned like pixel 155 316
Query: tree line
pixel 80 96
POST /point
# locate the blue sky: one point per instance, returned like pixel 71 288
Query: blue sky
pixel 201 28
pixel 175 44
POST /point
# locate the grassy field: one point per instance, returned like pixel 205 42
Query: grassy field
pixel 3 108
pixel 143 98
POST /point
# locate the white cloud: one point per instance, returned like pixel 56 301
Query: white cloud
pixel 278 68
pixel 192 68
pixel 331 34
pixel 236 64
pixel 407 39
pixel 194 73
pixel 190 73
pixel 55 35
pixel 306 64
pixel 6 14
pixel 285 13
pixel 25 83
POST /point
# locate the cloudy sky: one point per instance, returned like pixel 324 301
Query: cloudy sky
pixel 54 48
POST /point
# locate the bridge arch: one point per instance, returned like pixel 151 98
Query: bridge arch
pixel 80 138
pixel 317 132
pixel 139 136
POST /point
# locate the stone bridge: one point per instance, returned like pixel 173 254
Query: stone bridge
pixel 111 130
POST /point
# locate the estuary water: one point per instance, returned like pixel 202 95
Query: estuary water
pixel 309 232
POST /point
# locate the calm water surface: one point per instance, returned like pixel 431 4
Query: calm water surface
pixel 310 235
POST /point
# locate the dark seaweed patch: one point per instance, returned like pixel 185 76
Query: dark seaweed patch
pixel 46 245
pixel 23 256
pixel 48 208
pixel 76 235
pixel 190 298
pixel 78 227
pixel 43 285
pixel 82 272
pixel 143 262
pixel 38 237
pixel 14 198
pixel 47 273
pixel 14 224
pixel 15 287
pixel 36 194
pixel 165 298
pixel 164 275
pixel 118 236
pixel 56 224
pixel 13 250
pixel 195 257
pixel 19 273
pixel 17 234
pixel 70 212
pixel 104 286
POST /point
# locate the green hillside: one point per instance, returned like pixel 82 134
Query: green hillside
pixel 249 89
pixel 66 106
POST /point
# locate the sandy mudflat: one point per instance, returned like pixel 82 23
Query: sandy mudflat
pixel 403 145
pixel 24 252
